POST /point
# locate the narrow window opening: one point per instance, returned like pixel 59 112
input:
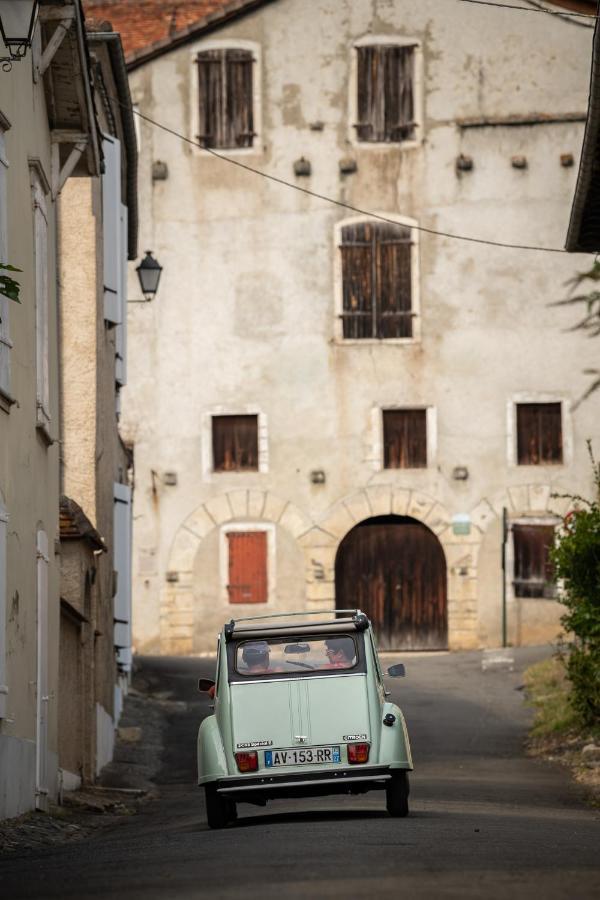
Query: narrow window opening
pixel 539 434
pixel 235 443
pixel 534 575
pixel 404 438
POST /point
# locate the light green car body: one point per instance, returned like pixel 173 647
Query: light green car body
pixel 319 710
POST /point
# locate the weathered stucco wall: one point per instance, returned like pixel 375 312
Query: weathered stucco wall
pixel 28 457
pixel 246 312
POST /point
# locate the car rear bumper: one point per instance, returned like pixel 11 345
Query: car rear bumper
pixel 355 780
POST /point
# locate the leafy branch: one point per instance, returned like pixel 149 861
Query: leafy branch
pixel 590 322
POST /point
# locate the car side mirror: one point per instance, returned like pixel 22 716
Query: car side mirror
pixel 205 684
pixel 397 671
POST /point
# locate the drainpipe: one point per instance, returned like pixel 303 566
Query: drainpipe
pixel 504 539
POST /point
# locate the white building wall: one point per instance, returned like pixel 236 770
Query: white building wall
pixel 246 312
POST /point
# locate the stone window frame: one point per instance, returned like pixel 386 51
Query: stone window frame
pixel 338 286
pixel 254 525
pixel 511 429
pixel 419 93
pixel 208 473
pixel 227 44
pixel 547 519
pixel 377 449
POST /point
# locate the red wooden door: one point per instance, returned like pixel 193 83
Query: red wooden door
pixel 247 567
pixel 394 569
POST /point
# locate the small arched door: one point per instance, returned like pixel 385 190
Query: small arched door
pixel 394 569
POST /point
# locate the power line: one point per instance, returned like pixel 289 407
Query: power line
pixel 341 203
pixel 533 9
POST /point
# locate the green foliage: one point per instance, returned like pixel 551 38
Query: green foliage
pixel 590 303
pixel 576 559
pixel 8 286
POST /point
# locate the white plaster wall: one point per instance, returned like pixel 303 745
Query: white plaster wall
pixel 246 308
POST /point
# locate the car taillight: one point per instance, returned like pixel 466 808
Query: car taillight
pixel 247 762
pixel 358 753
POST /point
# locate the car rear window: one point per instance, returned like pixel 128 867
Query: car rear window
pixel 293 656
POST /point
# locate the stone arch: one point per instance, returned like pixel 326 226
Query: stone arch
pixel 321 544
pixel 177 597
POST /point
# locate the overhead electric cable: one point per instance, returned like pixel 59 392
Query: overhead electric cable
pixel 332 200
pixel 563 14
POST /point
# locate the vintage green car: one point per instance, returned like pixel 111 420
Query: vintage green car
pixel 300 711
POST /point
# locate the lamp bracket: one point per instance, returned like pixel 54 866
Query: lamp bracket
pixel 65 18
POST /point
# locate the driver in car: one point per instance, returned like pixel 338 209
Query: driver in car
pixel 340 653
pixel 255 655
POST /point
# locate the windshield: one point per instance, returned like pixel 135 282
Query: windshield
pixel 279 656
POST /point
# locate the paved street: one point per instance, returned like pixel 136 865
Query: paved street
pixel 485 821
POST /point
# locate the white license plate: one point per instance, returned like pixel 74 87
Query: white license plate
pixel 296 757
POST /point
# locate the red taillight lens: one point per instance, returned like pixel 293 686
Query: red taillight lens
pixel 358 753
pixel 247 762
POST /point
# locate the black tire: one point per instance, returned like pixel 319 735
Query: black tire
pixel 217 808
pixel 396 795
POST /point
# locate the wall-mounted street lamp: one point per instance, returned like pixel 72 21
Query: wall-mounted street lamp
pixel 149 271
pixel 17 24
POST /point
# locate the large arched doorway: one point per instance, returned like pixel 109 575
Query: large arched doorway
pixel 394 569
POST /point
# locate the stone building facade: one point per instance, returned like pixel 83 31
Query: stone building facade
pixel 333 405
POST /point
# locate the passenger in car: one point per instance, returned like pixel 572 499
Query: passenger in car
pixel 340 653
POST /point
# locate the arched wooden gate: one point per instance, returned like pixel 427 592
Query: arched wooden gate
pixel 394 569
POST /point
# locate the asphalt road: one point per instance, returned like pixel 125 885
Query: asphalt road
pixel 485 821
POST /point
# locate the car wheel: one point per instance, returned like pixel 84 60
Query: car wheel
pixel 217 808
pixel 396 795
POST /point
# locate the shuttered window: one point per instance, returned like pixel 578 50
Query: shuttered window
pixel 385 101
pixel 533 569
pixel 5 341
pixel 377 281
pixel 42 313
pixel 404 438
pixel 539 434
pixel 235 443
pixel 225 98
pixel 247 567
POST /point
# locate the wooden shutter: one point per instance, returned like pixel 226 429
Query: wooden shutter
pixel 122 565
pixel 111 228
pixel 357 279
pixel 40 225
pixel 539 434
pixel 210 97
pixel 121 328
pixel 385 93
pixel 404 438
pixel 239 125
pixel 394 281
pixel 5 342
pixel 247 567
pixel 533 570
pixel 376 281
pixel 235 443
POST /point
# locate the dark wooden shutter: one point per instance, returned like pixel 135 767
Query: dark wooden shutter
pixel 539 434
pixel 247 567
pixel 210 98
pixel 357 277
pixel 239 117
pixel 235 443
pixel 377 281
pixel 385 93
pixel 394 281
pixel 404 438
pixel 533 570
